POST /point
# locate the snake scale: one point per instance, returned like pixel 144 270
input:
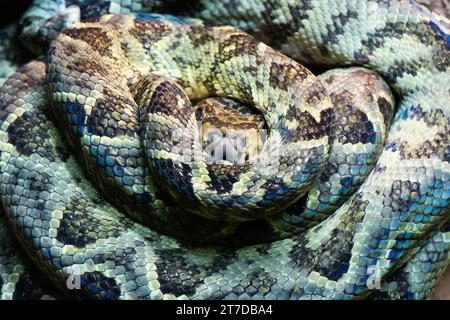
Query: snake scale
pixel 317 215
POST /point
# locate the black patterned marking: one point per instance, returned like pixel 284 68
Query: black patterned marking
pixel 91 10
pixel 308 128
pixel 95 37
pixel 273 185
pixel 258 281
pixel 298 13
pixel 79 228
pixel 149 32
pixel 353 125
pixel 402 196
pixel 335 29
pixel 164 100
pixel 332 259
pixel 125 258
pixel 435 146
pixel 242 43
pixel 25 288
pixel 223 177
pixel 179 176
pixel 386 110
pixel 108 118
pixel 29 134
pixel 178 276
pixel 38 182
pixel 200 39
pixel 396 30
pixel 100 286
pixel 441 59
pixel 399 68
pixel 400 278
pixel 288 73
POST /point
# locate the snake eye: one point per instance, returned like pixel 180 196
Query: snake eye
pixel 23 25
pixel 26 22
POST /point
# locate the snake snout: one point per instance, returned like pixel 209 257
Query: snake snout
pixel 230 132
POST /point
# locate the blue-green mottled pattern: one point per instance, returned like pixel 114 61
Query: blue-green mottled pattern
pixel 394 238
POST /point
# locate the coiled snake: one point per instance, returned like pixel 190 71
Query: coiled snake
pixel 111 107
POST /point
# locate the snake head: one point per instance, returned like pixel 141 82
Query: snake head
pixel 38 27
pixel 230 131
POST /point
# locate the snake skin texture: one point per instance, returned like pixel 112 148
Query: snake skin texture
pixel 393 229
pixel 288 23
pixel 12 53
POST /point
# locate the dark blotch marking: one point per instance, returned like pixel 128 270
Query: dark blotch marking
pixel 83 64
pixel 223 177
pixel 401 198
pixel 353 125
pixel 272 185
pixel 92 10
pixel 108 117
pixel 241 42
pixel 337 28
pixel 308 127
pixel 258 281
pixel 441 59
pixel 101 287
pixel 164 100
pixel 435 146
pixel 96 38
pixel 178 175
pixel 287 74
pixel 399 68
pixel 79 228
pixel 29 134
pixel 400 278
pixel 298 13
pixel 148 32
pixel 332 259
pixel 420 30
pixel 199 39
pixel 178 276
pixel 27 288
pixel 386 109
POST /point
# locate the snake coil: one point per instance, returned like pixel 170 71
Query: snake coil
pixel 116 105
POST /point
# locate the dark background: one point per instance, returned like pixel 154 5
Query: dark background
pixel 11 10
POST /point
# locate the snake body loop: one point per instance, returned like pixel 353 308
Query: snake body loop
pixel 95 182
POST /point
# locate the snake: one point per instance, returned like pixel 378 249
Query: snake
pixel 115 104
